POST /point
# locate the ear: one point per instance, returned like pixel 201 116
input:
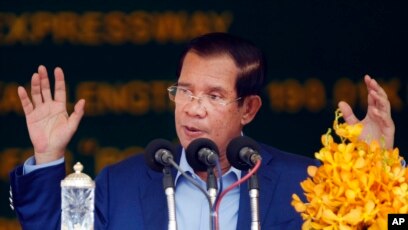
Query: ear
pixel 251 106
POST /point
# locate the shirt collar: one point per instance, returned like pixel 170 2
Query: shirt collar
pixel 187 168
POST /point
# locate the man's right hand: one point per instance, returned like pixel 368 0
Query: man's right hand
pixel 49 125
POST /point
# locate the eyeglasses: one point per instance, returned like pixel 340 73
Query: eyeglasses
pixel 181 95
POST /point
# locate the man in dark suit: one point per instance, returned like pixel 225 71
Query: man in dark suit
pixel 217 93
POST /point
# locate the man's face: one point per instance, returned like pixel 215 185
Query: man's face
pixel 214 76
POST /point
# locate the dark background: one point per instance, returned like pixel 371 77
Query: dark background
pixel 327 40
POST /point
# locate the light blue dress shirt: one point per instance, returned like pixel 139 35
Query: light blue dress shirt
pixel 29 164
pixel 192 208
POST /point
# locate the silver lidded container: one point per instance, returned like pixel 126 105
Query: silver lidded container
pixel 77 201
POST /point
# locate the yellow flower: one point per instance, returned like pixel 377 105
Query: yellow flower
pixel 356 186
pixel 298 204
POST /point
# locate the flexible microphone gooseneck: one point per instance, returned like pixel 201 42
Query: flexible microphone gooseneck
pixel 243 154
pixel 202 155
pixel 159 155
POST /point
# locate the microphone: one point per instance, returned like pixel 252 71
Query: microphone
pixel 243 152
pixel 159 157
pixel 159 153
pixel 201 154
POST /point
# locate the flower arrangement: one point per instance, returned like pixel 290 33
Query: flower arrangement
pixel 357 185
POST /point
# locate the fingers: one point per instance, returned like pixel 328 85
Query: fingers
pixel 347 112
pixel 40 86
pixel 384 117
pixel 379 112
pixel 59 91
pixel 76 116
pixel 36 89
pixel 379 102
pixel 25 100
pixel 377 97
pixel 45 84
pixel 386 125
pixel 372 85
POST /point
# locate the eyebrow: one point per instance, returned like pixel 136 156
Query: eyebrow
pixel 183 84
pixel 211 89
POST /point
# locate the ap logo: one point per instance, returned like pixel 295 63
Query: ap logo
pixel 397 221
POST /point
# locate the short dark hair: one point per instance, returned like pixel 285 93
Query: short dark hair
pixel 247 57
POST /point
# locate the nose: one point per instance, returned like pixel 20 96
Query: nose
pixel 195 107
pixel 195 98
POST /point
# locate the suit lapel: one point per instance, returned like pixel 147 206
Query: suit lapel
pixel 153 199
pixel 154 202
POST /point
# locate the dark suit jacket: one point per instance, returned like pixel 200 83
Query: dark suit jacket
pixel 129 195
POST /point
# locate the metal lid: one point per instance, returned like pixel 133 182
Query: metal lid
pixel 78 179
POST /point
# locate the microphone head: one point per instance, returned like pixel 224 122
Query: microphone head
pixel 192 153
pixel 153 148
pixel 235 155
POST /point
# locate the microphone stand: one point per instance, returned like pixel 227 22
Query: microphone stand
pixel 212 192
pixel 168 186
pixel 254 196
pixel 211 184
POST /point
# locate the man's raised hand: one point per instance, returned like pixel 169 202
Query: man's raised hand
pixel 49 125
pixel 378 123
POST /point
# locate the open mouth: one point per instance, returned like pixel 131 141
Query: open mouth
pixel 192 131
